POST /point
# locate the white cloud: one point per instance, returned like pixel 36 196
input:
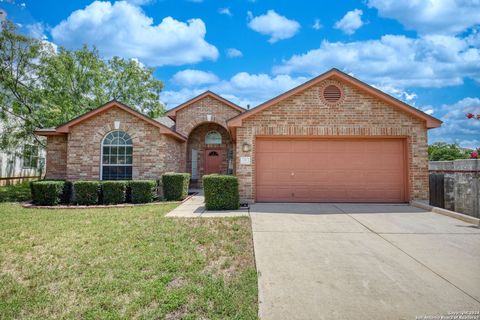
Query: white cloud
pixel 243 88
pixel 123 29
pixel 397 61
pixel 234 53
pixel 404 95
pixel 456 128
pixel 225 11
pixel 3 15
pixel 350 22
pixel 190 78
pixel 139 2
pixel 317 25
pixel 445 16
pixel 36 30
pixel 274 25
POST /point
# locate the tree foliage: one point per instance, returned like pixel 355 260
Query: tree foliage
pixel 42 86
pixel 441 151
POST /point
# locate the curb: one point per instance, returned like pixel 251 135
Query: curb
pixel 445 212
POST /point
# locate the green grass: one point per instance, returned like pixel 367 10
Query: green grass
pixel 128 263
pixel 16 192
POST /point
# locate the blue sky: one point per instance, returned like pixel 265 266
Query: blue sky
pixel 424 52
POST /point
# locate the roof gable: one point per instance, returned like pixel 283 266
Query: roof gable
pixel 172 112
pixel 431 122
pixel 65 128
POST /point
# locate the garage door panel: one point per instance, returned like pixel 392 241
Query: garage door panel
pixel 273 178
pixel 326 170
pixel 274 193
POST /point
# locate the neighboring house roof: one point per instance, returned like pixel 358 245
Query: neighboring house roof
pixel 65 128
pixel 431 122
pixel 172 112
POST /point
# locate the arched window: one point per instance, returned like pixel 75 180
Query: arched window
pixel 117 156
pixel 213 137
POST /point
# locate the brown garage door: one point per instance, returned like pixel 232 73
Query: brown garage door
pixel 330 170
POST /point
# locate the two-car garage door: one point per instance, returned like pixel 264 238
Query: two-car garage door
pixel 330 170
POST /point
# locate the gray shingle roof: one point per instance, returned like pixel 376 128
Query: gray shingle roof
pixel 166 121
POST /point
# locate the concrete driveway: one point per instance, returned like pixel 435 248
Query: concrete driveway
pixel 350 261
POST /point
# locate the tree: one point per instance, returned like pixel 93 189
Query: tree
pixel 41 87
pixel 441 151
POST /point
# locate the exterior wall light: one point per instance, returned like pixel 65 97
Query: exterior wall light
pixel 246 147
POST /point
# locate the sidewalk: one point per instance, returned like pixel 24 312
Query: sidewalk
pixel 195 208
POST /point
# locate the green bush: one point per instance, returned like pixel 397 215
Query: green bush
pixel 142 191
pixel 175 186
pixel 86 192
pixel 114 192
pixel 47 193
pixel 221 192
pixel 67 193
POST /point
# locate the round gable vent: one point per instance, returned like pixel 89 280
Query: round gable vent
pixel 332 93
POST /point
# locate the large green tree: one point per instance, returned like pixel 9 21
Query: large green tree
pixel 42 86
pixel 441 151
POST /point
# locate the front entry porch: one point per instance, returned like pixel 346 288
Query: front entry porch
pixel 210 150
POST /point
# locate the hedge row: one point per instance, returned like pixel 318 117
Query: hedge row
pixel 221 192
pixel 53 192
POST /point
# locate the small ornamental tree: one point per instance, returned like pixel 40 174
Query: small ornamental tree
pixel 473 116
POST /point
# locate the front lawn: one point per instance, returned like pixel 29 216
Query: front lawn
pixel 125 263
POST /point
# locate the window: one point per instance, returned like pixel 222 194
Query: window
pixel 30 156
pixel 213 137
pixel 117 156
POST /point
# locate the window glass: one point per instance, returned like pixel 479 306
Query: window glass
pixel 30 156
pixel 213 137
pixel 117 156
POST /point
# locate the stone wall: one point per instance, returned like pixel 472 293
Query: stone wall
pixel 357 115
pixel 461 184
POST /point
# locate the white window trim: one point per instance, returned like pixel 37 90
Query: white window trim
pixel 113 145
pixel 31 157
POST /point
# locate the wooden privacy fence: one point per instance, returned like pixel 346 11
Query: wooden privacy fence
pixel 437 189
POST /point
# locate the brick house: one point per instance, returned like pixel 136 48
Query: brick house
pixel 331 139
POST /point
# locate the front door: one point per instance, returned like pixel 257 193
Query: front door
pixel 213 161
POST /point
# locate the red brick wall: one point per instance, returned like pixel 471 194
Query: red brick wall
pixel 359 114
pixel 191 116
pixel 56 161
pixel 153 153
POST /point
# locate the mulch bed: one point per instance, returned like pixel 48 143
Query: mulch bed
pixel 30 205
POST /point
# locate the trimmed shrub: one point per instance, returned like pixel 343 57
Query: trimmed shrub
pixel 221 192
pixel 47 193
pixel 175 186
pixel 114 192
pixel 142 191
pixel 86 192
pixel 67 193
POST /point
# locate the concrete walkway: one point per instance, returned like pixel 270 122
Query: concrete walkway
pixel 350 261
pixel 195 208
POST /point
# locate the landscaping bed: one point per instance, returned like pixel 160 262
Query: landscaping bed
pixel 106 193
pixel 124 263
